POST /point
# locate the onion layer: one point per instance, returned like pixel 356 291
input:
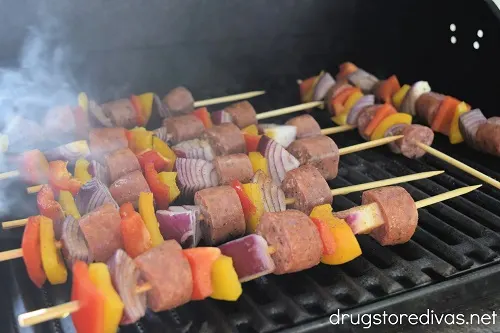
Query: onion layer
pixel 126 277
pixel 410 100
pixel 99 171
pixel 97 116
pixel 220 117
pixel 162 134
pixel 194 149
pixel 194 175
pixel 282 134
pixel 74 244
pixel 180 224
pixel 160 107
pixel 272 194
pixel 325 82
pixel 279 161
pixel 469 123
pixel 366 100
pixel 362 79
pixel 69 152
pixel 93 194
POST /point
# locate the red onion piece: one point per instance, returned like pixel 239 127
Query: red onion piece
pixel 97 117
pixel 250 256
pixel 160 107
pixel 93 194
pixel 99 171
pixel 279 160
pixel 220 117
pixel 363 80
pixel 194 175
pixel 194 149
pixel 74 244
pixel 469 123
pixel 362 219
pixel 410 100
pixel 366 100
pixel 325 82
pixel 162 134
pixel 126 277
pixel 69 152
pixel 180 224
pixel 272 194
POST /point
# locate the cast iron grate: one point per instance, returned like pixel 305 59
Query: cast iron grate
pixel 452 237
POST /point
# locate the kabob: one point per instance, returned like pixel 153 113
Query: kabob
pixel 285 242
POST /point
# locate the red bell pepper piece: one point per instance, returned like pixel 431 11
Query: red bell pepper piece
pixel 135 236
pixel 34 167
pixel 90 317
pixel 126 209
pixel 139 115
pixel 247 204
pixel 160 190
pixel 326 235
pixel 47 204
pixel 204 116
pixel 152 156
pixel 201 260
pixel 61 179
pixel 32 255
pixel 252 141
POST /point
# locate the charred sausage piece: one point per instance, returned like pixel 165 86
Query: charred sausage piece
pixel 242 113
pixel 168 272
pixel 306 126
pixel 226 139
pixel 121 113
pixel 121 162
pixel 365 118
pixel 399 212
pixel 222 212
pixel 128 188
pixel 309 189
pixel 488 138
pixel 178 101
pixel 183 128
pixel 106 140
pixel 320 151
pixel 101 229
pixel 233 167
pixel 412 134
pixel 294 237
pixel 427 105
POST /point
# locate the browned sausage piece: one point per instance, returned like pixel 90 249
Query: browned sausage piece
pixel 399 212
pixel 306 126
pixel 168 272
pixel 294 237
pixel 121 162
pixel 320 151
pixel 242 113
pixel 488 138
pixel 233 167
pixel 106 140
pixel 226 139
pixel 427 105
pixel 222 212
pixel 412 134
pixel 179 101
pixel 121 112
pixel 128 188
pixel 101 229
pixel 365 118
pixel 183 128
pixel 309 189
pixel 333 92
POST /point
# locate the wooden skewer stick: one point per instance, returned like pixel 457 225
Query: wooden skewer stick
pixel 14 224
pixel 462 166
pixel 18 253
pixel 228 98
pixel 446 196
pixel 9 174
pixel 337 129
pixel 287 110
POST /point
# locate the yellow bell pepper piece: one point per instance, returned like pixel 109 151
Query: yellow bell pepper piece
pixel 146 100
pixel 455 134
pixel 393 119
pixel 255 195
pixel 341 119
pixel 113 305
pixel 165 151
pixel 52 261
pixel 142 140
pixel 82 170
pixel 147 211
pixel 83 101
pixel 169 178
pixel 225 283
pixel 347 246
pixel 258 161
pixel 68 205
pixel 251 129
pixel 4 143
pixel 398 97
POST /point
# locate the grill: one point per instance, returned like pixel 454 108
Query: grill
pixel 451 259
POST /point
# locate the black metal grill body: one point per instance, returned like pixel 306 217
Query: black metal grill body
pixel 221 47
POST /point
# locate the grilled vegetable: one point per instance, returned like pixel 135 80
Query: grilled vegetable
pixel 92 195
pixel 147 211
pixel 32 255
pixel 52 261
pixel 201 260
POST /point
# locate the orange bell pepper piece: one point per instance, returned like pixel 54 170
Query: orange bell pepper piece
pixel 126 209
pixel 204 116
pixel 139 114
pixel 135 236
pixel 305 87
pixel 383 112
pixel 159 189
pixel 32 255
pixel 61 179
pixel 388 88
pixel 339 101
pixel 444 116
pixel 252 142
pixel 326 236
pixel 201 260
pixel 345 69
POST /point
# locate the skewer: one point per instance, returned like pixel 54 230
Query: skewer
pixel 337 129
pixel 287 110
pixel 459 165
pixel 228 98
pixel 63 310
